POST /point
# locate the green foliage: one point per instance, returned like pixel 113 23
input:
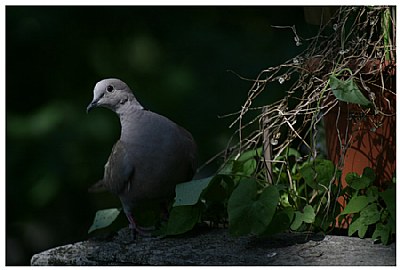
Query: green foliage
pixel 355 205
pixel 347 91
pixel 318 174
pixel 208 197
pixel 251 210
pixel 369 208
pixel 307 216
pixel 360 182
pixel 182 219
pixel 104 218
pixel 189 193
pixel 240 196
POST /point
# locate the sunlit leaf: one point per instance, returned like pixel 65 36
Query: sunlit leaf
pixel 188 193
pixel 347 90
pixel 357 225
pixel 104 218
pixel 355 205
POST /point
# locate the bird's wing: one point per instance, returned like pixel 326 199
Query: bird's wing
pixel 119 169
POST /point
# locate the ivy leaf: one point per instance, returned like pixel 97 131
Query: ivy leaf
pixel 369 173
pixel 347 91
pixel 361 182
pixel 182 219
pixel 355 205
pixel 372 194
pixel 382 232
pixel 293 152
pixel 370 214
pixel 104 218
pixel 227 168
pixel 280 222
pixel 246 164
pixel 248 211
pixel 188 193
pixel 307 216
pixel 288 153
pixel 357 225
pixel 250 154
pixel 389 197
pixel 318 173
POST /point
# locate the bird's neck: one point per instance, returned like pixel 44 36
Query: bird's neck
pixel 128 114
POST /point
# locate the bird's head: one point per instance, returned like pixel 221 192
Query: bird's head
pixel 113 94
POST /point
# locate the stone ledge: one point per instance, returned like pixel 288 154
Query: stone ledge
pixel 217 247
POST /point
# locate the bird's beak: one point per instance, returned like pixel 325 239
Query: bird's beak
pixel 92 105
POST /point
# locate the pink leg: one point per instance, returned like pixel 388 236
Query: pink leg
pixel 135 228
pixel 132 224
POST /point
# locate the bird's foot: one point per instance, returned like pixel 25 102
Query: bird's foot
pixel 141 231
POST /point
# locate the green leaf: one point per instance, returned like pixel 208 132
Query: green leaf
pixel 347 91
pixel 355 205
pixel 370 214
pixel 249 154
pixel 188 193
pixel 216 190
pixel 246 164
pixel 297 222
pixel 289 152
pixel 318 173
pixel 382 232
pixel 249 212
pixel 389 197
pixel 352 180
pixel 372 194
pixel 227 168
pixel 280 222
pixel 293 152
pixel 249 167
pixel 369 173
pixel 360 182
pixel 104 218
pixel 357 225
pixel 182 219
pixel 307 216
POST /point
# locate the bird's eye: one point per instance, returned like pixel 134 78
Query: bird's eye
pixel 110 88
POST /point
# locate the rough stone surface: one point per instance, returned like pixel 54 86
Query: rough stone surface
pixel 217 247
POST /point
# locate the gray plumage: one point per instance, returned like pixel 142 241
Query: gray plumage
pixel 152 155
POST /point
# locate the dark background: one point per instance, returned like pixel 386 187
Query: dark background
pixel 175 59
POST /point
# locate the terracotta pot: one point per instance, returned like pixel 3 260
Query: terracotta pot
pixel 371 138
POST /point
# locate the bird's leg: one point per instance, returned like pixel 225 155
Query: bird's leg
pixel 132 225
pixel 137 229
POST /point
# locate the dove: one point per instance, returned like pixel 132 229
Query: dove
pixel 152 155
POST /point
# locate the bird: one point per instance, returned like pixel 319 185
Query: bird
pixel 152 155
